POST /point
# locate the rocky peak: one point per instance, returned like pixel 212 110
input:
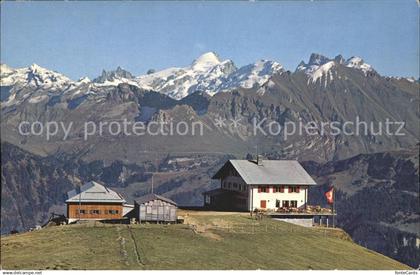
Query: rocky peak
pixel 113 75
pixel 318 59
pixel 339 59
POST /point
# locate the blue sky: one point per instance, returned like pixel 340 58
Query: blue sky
pixel 82 38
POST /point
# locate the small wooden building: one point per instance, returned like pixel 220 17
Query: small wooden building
pixel 93 201
pixel 155 208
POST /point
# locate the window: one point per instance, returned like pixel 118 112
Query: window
pixel 230 185
pixel 235 185
pixel 278 189
pixel 277 203
pixel 82 211
pixel 294 189
pixel 113 211
pixel 148 209
pixel 96 212
pixel 293 204
pixel 207 199
pixel 285 204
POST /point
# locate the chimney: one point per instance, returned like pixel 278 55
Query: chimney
pixel 259 160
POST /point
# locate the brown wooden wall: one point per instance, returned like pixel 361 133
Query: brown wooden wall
pixel 73 210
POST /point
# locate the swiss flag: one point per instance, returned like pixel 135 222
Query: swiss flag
pixel 330 195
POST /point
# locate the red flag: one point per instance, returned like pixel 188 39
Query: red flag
pixel 329 195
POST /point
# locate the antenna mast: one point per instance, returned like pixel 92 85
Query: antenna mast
pixel 152 182
pixel 80 197
pixel 154 163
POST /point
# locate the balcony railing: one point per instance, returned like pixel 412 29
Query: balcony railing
pixel 309 209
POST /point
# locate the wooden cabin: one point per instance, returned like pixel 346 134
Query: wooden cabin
pixel 155 208
pixel 93 201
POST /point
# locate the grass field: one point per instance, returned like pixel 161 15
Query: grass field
pixel 228 241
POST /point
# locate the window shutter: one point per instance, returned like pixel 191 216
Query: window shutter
pixel 297 189
pixel 281 189
pixel 290 189
pixel 259 189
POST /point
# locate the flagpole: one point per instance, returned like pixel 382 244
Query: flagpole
pixel 333 208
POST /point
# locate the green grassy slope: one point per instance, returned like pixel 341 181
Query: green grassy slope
pixel 208 242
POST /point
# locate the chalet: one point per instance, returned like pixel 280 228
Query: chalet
pixel 246 185
pixel 155 208
pixel 93 201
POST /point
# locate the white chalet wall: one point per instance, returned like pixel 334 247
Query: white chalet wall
pixel 271 197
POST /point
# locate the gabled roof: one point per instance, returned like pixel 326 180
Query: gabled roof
pixel 151 197
pixel 271 172
pixel 94 192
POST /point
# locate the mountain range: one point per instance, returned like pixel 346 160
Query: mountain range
pixel 207 74
pixel 322 90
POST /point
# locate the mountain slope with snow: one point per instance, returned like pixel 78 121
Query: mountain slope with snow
pixel 358 63
pixel 34 75
pixel 210 75
pixel 323 69
pixel 206 73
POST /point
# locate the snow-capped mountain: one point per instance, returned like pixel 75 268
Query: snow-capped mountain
pixel 207 74
pixel 358 63
pixel 315 61
pixel 210 75
pixel 34 76
pixel 205 62
pixel 251 75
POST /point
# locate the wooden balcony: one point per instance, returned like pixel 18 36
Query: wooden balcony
pixel 313 210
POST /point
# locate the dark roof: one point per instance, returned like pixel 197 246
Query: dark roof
pixel 286 172
pixel 151 197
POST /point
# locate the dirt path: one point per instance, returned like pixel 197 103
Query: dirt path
pixel 136 247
